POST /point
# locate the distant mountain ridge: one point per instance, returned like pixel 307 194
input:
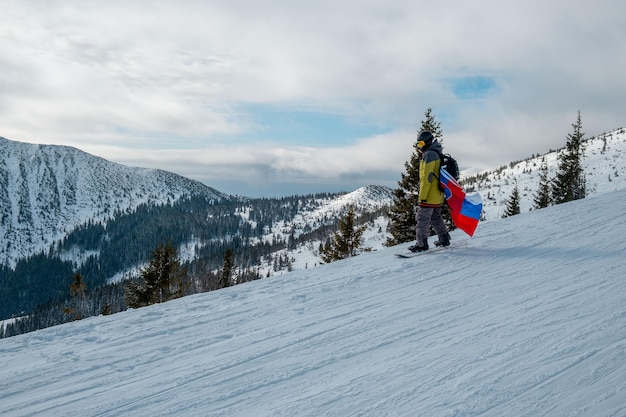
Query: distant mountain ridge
pixel 48 190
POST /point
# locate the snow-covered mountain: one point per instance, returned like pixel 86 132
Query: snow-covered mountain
pixel 48 190
pixel 526 320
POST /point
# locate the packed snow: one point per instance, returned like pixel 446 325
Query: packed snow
pixel 527 319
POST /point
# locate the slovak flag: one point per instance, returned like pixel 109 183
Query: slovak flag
pixel 464 209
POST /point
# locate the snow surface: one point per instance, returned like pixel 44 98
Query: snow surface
pixel 528 319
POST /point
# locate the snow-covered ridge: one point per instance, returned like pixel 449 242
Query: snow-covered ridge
pixel 604 164
pixel 369 198
pixel 48 190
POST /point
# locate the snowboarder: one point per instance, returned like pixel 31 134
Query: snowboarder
pixel 431 197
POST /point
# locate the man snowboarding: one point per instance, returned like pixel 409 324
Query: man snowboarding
pixel 431 197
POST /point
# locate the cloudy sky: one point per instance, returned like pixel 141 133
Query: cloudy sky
pixel 275 97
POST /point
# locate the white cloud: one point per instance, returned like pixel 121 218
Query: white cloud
pixel 263 164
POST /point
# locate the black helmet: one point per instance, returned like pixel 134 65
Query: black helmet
pixel 424 139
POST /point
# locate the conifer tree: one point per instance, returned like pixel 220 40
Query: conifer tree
pixel 78 294
pixel 512 204
pixel 569 183
pixel 346 240
pixel 402 220
pixel 162 279
pixel 227 270
pixel 542 197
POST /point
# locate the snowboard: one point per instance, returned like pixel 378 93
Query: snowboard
pixel 453 245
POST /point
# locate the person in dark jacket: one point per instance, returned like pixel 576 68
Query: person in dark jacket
pixel 431 197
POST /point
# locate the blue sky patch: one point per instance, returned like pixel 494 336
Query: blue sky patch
pixel 477 87
pixel 307 127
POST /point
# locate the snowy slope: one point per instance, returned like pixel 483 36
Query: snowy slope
pixel 604 163
pixel 46 191
pixel 529 319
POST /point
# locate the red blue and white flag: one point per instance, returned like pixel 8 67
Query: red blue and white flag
pixel 465 209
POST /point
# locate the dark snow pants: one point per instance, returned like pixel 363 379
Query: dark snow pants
pixel 426 216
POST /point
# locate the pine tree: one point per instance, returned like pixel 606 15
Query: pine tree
pixel 542 197
pixel 227 271
pixel 162 279
pixel 346 240
pixel 569 183
pixel 402 220
pixel 78 294
pixel 512 205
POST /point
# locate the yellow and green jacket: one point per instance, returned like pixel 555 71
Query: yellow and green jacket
pixel 430 195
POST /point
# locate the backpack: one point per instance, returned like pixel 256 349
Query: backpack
pixel 450 165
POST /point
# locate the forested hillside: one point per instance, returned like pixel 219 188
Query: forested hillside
pixel 108 253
